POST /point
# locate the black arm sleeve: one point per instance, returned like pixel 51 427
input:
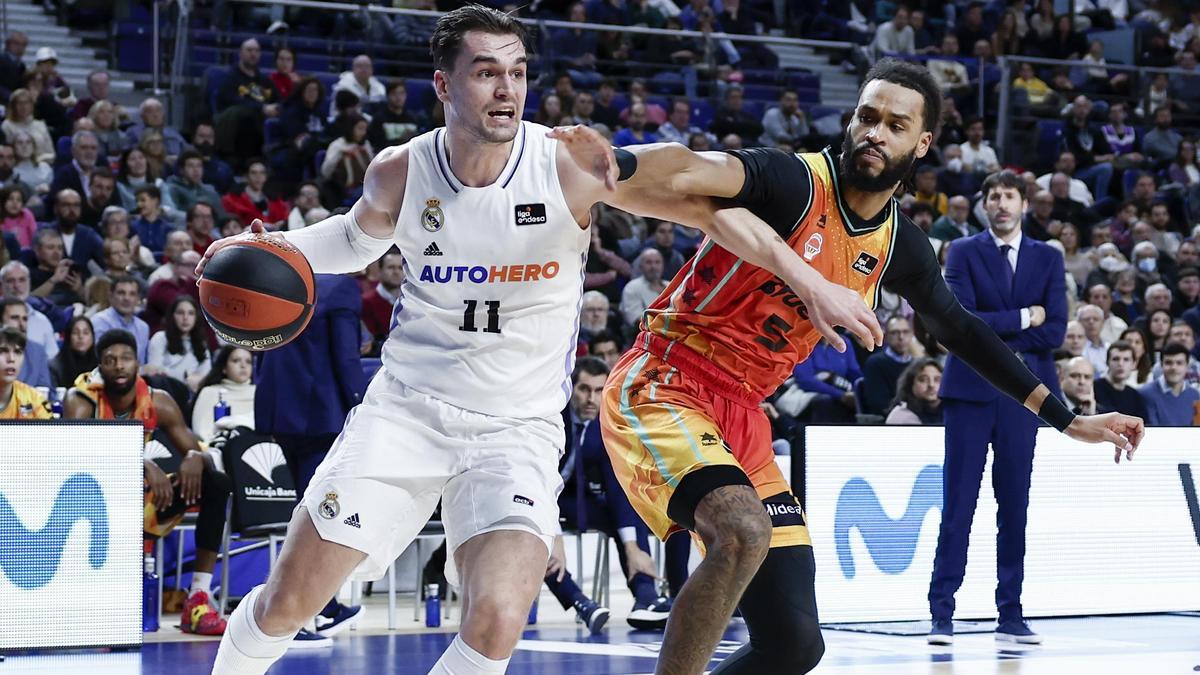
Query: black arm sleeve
pixel 913 272
pixel 778 188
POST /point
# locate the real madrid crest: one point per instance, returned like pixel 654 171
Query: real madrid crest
pixel 432 217
pixel 329 507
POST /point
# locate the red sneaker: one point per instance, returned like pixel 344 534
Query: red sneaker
pixel 200 617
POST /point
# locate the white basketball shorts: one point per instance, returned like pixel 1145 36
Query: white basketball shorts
pixel 401 451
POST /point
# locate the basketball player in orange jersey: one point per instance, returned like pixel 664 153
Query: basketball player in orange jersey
pixel 681 417
pixel 491 218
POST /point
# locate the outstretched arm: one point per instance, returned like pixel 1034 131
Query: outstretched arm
pixel 914 274
pixel 347 242
pixel 670 182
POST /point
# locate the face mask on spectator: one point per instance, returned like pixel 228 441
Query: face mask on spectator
pixel 955 165
pixel 1147 265
pixel 1113 264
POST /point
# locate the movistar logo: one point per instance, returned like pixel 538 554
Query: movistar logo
pixel 30 559
pixel 891 543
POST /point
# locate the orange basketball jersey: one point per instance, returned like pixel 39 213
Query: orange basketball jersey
pixel 744 319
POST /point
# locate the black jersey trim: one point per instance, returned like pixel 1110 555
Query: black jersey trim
pixel 896 227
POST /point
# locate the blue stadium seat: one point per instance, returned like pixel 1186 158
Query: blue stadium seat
pixel 533 99
pixel 760 92
pixel 310 63
pixel 420 93
pixel 818 111
pixel 135 51
pixel 1049 138
pixel 754 108
pixel 214 77
pixel 702 114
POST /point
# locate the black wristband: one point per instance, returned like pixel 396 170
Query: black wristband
pixel 626 163
pixel 1056 413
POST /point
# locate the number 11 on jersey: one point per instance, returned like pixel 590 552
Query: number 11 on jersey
pixel 493 316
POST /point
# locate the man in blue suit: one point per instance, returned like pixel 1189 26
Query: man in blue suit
pixel 1016 285
pixel 80 243
pixel 304 391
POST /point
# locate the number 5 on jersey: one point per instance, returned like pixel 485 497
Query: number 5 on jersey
pixel 493 316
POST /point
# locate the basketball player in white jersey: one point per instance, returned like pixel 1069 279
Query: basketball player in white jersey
pixel 491 215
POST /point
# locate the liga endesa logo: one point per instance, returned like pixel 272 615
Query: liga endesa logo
pixel 30 559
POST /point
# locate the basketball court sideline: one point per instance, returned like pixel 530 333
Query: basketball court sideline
pixel 1160 644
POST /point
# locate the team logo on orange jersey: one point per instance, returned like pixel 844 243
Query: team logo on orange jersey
pixel 813 246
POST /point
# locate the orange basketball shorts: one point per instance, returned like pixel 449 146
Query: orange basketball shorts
pixel 677 428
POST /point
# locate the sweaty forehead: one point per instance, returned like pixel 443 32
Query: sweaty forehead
pixel 889 98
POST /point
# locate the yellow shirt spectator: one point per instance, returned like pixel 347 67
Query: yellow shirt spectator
pixel 25 403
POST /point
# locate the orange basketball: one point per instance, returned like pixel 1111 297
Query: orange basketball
pixel 258 293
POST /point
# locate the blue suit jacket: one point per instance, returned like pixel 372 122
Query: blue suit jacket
pixel 975 275
pixel 308 385
pixel 89 245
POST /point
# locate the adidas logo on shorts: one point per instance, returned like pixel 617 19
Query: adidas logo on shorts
pixel 352 521
pixel 432 249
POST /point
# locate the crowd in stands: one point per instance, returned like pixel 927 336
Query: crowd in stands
pixel 105 210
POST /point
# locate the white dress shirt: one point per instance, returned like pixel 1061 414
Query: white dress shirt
pixel 1026 319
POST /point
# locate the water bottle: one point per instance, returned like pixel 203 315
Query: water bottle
pixel 533 613
pixel 150 599
pixel 221 409
pixel 433 606
pixel 56 406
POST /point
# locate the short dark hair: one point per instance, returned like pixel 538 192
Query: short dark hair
pixel 113 337
pixel 589 365
pixel 191 212
pixel 1004 179
pixel 394 84
pixel 126 279
pixel 453 26
pixel 921 207
pixel 148 189
pixel 1187 272
pixel 1175 349
pixel 189 154
pixel 1118 346
pixel 350 122
pixel 11 302
pixel 910 76
pixel 926 168
pixel 344 98
pixel 102 172
pixel 11 336
pixel 602 336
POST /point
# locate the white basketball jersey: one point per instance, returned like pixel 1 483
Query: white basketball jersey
pixel 488 316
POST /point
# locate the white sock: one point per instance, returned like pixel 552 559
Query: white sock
pixel 460 659
pixel 245 648
pixel 201 581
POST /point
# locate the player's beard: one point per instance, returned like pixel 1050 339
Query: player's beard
pixel 113 390
pixel 893 172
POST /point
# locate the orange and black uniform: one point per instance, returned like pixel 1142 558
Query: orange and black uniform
pixel 681 415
